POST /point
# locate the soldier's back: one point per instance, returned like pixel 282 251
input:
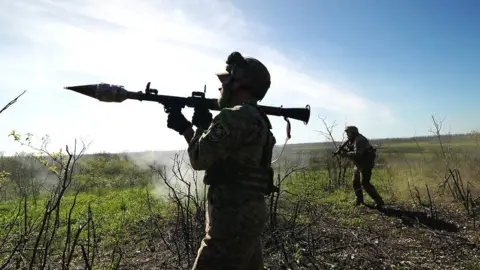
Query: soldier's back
pixel 255 131
pixel 361 139
pixel 239 208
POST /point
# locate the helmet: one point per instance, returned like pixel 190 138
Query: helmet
pixel 352 129
pixel 247 71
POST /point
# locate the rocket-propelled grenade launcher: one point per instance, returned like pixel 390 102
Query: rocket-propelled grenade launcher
pixel 116 93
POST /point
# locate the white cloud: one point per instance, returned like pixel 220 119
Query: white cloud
pixel 178 45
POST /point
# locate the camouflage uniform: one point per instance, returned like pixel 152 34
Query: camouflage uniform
pixel 236 154
pixel 363 156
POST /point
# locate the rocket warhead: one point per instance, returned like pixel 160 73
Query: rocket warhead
pixel 102 91
pixel 88 90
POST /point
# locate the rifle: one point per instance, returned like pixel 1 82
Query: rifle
pixel 172 103
pixel 340 149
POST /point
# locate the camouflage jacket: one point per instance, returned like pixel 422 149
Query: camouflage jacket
pixel 360 151
pixel 233 146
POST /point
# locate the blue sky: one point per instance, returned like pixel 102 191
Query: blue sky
pixel 385 66
pixel 417 57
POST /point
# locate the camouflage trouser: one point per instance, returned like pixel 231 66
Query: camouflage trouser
pixel 238 253
pixel 233 227
pixel 361 178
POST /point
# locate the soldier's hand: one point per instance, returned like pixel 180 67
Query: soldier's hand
pixel 177 121
pixel 202 118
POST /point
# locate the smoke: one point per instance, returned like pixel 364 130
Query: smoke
pixel 28 176
pixel 170 169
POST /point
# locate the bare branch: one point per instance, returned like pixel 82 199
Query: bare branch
pixel 12 102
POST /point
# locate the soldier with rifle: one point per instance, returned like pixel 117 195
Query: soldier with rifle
pixel 358 149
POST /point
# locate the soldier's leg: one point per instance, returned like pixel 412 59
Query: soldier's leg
pixel 232 253
pixel 366 175
pixel 256 261
pixel 232 237
pixel 357 185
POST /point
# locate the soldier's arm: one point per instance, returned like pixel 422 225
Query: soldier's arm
pixel 189 134
pixel 229 129
pixel 341 147
pixel 360 146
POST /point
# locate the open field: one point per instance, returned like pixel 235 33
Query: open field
pixel 121 211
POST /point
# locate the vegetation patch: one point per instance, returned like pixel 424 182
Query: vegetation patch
pixel 66 210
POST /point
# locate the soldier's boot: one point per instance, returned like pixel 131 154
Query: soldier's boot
pixel 379 203
pixel 358 202
pixel 372 192
pixel 359 196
